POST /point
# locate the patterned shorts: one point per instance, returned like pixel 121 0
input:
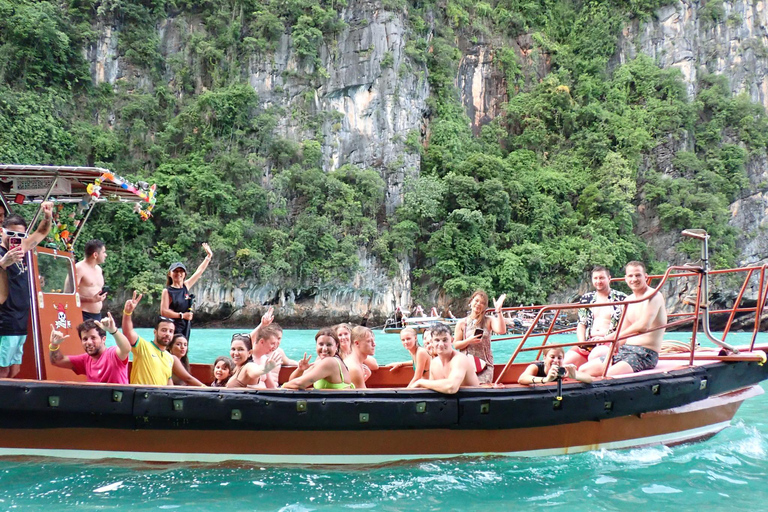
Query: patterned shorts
pixel 639 358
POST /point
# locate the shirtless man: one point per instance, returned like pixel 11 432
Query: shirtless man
pixel 597 322
pixel 451 369
pixel 90 279
pixel 267 339
pixel 641 350
pixel 363 345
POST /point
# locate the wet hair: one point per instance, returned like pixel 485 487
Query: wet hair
pixel 230 364
pixel 635 263
pixel 441 329
pixel 359 333
pixel 93 246
pixel 269 331
pixel 246 339
pixel 185 358
pixel 482 295
pixel 87 326
pixel 330 332
pixel 600 268
pixel 14 220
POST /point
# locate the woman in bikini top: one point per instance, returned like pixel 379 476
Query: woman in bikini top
pixel 327 372
pixel 247 373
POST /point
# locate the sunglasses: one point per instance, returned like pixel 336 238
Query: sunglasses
pixel 241 335
pixel 14 234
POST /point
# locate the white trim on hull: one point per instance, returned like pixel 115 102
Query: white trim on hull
pixel 672 438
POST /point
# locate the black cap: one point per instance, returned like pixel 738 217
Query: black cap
pixel 176 265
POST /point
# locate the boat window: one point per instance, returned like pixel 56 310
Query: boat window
pixel 55 273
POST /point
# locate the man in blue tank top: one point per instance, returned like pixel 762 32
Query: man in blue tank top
pixel 14 286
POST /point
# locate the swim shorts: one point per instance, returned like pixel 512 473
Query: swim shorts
pixel 11 350
pixel 638 358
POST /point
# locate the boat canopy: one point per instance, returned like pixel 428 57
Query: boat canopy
pixel 25 184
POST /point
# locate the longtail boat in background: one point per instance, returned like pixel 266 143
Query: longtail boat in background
pixel 693 393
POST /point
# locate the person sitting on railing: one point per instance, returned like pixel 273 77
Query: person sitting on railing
pixel 550 369
pixel 642 330
pixel 451 369
pixel 98 363
pixel 596 321
pixel 473 333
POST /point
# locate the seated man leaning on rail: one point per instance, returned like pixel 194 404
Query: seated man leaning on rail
pixel 99 363
pixel 640 351
pixel 451 369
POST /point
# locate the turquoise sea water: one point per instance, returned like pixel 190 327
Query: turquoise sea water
pixel 727 472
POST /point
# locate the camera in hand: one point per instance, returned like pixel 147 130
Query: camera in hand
pixel 104 290
pixel 561 372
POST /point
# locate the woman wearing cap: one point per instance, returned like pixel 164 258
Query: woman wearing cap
pixel 176 302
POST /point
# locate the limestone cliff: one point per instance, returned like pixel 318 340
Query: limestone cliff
pixel 375 97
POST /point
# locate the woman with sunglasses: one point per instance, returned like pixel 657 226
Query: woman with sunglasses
pixel 14 288
pixel 328 372
pixel 247 373
pixel 176 302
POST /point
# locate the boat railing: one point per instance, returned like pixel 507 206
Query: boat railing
pixel 701 310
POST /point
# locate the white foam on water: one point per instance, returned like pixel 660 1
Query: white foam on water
pixel 295 507
pixel 605 480
pixel 111 487
pixel 660 489
pixel 259 483
pixel 650 455
pixel 716 476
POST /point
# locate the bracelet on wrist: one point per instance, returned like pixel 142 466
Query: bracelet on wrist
pixel 53 348
pixel 113 332
pixel 126 313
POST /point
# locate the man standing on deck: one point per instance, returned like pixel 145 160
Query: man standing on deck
pixel 90 279
pixel 596 322
pixel 152 365
pixel 642 323
pixel 99 363
pixel 451 369
pixel 14 286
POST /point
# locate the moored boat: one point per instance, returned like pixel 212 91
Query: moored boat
pixel 690 395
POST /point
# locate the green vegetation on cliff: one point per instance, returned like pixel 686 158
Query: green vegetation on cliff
pixel 549 188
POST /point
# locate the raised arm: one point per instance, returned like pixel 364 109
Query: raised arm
pixel 123 345
pixel 204 265
pixel 320 370
pixel 128 309
pixel 498 324
pixel 54 354
pixel 42 229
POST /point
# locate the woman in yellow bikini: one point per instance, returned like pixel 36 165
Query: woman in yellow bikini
pixel 327 372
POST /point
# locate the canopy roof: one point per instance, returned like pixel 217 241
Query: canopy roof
pixel 24 184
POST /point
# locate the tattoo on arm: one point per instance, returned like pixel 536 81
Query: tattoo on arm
pixel 55 356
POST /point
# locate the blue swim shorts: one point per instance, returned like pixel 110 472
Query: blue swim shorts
pixel 11 350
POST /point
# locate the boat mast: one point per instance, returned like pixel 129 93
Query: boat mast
pixel 700 234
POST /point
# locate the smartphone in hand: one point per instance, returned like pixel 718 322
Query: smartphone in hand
pixel 478 332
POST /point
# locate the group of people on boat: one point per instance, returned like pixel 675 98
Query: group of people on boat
pixel 344 354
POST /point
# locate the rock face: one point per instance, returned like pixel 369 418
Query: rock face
pixel 727 38
pixel 724 38
pixel 370 97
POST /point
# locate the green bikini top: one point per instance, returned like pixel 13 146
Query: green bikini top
pixel 324 384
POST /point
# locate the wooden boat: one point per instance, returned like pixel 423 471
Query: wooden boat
pixel 691 395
